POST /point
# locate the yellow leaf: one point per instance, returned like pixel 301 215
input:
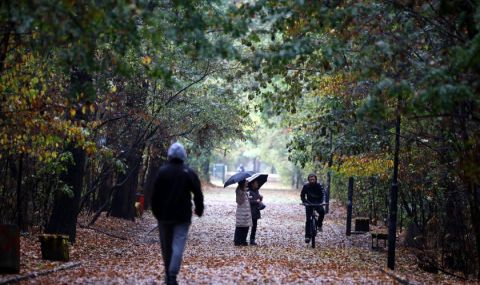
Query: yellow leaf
pixel 146 60
pixel 90 149
pixel 73 112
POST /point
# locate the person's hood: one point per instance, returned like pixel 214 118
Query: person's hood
pixel 177 151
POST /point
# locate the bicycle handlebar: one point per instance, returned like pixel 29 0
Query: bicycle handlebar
pixel 313 205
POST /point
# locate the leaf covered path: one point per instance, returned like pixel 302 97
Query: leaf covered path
pixel 122 252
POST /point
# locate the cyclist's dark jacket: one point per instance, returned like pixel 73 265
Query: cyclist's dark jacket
pixel 312 193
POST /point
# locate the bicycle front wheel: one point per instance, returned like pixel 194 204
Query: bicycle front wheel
pixel 313 231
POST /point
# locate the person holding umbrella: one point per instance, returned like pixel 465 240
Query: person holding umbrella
pixel 255 200
pixel 238 177
pixel 243 216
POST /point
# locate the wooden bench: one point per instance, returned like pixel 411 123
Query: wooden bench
pixel 379 235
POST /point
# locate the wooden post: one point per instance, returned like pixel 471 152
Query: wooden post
pixel 20 218
pixel 54 247
pixel 349 206
pixel 9 249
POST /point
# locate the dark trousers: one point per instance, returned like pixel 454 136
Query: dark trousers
pixel 240 237
pixel 309 213
pixel 253 232
pixel 173 237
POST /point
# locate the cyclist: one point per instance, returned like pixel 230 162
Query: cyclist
pixel 312 192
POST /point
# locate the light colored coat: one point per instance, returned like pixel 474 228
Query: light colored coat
pixel 243 216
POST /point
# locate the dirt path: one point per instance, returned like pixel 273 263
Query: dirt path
pixel 281 257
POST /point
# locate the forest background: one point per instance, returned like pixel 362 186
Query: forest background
pixel 93 93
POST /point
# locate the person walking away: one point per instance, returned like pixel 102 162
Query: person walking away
pixel 243 216
pixel 171 204
pixel 255 200
pixel 312 193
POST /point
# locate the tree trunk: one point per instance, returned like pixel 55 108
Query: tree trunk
pixel 63 219
pixel 329 175
pixel 153 166
pixel 104 190
pixel 475 217
pixel 65 208
pixel 206 165
pixel 144 170
pixel 123 202
pixel 392 220
pixel 20 197
pixel 296 178
pixel 4 46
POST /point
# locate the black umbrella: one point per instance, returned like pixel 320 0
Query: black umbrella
pixel 237 177
pixel 259 177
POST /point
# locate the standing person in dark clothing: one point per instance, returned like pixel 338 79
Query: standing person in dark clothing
pixel 171 204
pixel 312 192
pixel 255 200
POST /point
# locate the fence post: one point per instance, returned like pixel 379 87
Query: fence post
pixel 9 249
pixel 349 206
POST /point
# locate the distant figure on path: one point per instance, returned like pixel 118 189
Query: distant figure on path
pixel 241 168
pixel 243 216
pixel 312 192
pixel 172 206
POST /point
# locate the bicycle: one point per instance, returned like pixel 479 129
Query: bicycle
pixel 313 221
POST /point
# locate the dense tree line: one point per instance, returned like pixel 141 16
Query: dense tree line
pixel 342 73
pixel 92 95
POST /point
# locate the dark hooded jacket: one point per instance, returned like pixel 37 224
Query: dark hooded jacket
pixel 253 195
pixel 172 193
pixel 312 193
